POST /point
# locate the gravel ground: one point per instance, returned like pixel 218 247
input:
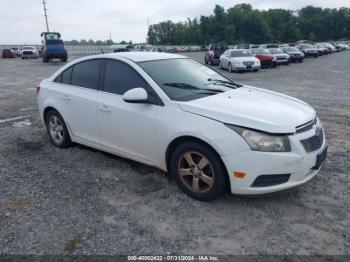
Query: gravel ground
pixel 83 201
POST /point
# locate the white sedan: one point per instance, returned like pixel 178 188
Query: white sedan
pixel 239 60
pixel 174 113
pixel 29 52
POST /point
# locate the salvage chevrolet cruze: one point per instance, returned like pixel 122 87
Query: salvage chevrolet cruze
pixel 178 115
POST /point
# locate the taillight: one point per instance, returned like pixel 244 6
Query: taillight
pixel 37 89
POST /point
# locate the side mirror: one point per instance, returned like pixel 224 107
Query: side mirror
pixel 136 95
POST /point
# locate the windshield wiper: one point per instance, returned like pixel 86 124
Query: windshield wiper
pixel 182 86
pixel 224 82
pixel 192 87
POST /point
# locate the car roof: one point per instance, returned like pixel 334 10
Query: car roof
pixel 139 56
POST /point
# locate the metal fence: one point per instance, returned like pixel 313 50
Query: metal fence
pixel 73 51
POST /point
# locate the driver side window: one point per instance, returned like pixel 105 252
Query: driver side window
pixel 120 77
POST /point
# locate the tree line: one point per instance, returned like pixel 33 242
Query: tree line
pixel 243 24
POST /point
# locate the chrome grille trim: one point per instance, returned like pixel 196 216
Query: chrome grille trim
pixel 306 127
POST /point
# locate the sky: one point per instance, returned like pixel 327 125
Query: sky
pixel 21 22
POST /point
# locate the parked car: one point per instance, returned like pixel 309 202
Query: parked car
pixel 174 50
pixel 212 57
pixel 294 54
pixel 268 46
pixel 322 49
pixel 308 50
pixel 331 48
pixel 8 53
pixel 29 52
pixel 16 51
pixel 281 57
pixel 243 46
pixel 239 60
pixel 267 60
pixel 173 113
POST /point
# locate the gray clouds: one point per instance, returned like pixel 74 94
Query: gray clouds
pixel 23 21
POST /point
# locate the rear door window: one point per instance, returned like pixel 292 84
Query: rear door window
pixel 66 75
pixel 87 74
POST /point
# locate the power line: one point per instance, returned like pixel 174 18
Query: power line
pixel 45 11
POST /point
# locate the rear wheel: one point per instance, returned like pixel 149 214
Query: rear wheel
pixel 57 130
pixel 198 171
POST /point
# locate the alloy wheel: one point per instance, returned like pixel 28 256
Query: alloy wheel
pixel 56 129
pixel 196 172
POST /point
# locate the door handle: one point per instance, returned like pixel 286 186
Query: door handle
pixel 105 108
pixel 66 97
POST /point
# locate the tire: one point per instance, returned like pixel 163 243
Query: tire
pixel 256 70
pixel 212 63
pixel 230 68
pixel 57 130
pixel 45 59
pixel 64 59
pixel 206 61
pixel 212 177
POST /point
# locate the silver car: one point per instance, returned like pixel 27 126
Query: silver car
pixel 281 57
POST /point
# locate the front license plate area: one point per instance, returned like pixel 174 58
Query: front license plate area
pixel 320 159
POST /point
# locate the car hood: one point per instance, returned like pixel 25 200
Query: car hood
pixel 294 53
pixel 254 108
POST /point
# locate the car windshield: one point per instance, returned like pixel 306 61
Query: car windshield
pixel 28 48
pixel 261 51
pixel 243 46
pixel 276 51
pixel 186 79
pixel 290 49
pixel 306 46
pixel 218 47
pixel 242 53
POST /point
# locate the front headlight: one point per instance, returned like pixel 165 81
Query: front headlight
pixel 260 141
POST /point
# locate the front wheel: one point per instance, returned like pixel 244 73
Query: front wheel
pixel 230 68
pixel 198 171
pixel 45 59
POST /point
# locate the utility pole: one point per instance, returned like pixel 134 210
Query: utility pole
pixel 45 11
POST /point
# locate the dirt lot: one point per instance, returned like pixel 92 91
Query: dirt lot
pixel 83 201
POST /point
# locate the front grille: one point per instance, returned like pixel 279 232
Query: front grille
pixel 270 180
pixel 27 52
pixel 248 63
pixel 313 143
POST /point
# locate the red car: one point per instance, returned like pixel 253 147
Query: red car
pixel 7 53
pixel 267 60
pixel 212 57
